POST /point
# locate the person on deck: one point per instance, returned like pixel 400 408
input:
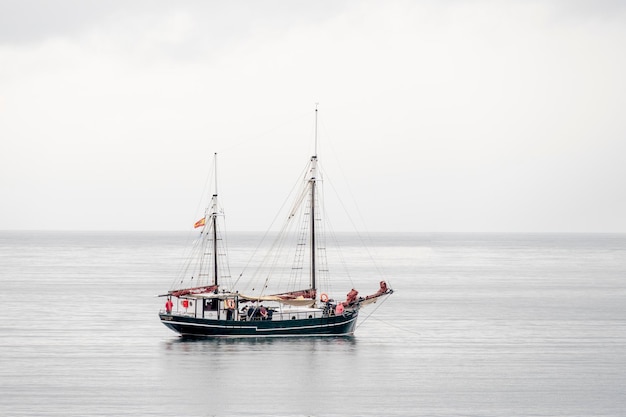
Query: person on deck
pixel 263 312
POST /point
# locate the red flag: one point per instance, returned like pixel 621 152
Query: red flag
pixel 199 223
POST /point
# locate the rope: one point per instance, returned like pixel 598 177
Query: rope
pixel 384 321
pixel 390 325
pixel 373 311
pixel 365 242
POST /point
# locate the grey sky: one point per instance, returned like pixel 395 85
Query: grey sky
pixel 441 115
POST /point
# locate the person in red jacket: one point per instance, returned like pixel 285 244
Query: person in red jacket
pixel 351 297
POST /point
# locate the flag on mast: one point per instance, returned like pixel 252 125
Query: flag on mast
pixel 200 223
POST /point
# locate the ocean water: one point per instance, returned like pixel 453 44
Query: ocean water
pixel 479 325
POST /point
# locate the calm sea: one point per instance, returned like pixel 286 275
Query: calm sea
pixel 480 325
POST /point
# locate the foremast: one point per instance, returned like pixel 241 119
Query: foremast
pixel 214 211
pixel 201 273
pixel 312 185
pixel 211 236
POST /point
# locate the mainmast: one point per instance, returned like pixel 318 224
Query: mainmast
pixel 312 181
pixel 315 152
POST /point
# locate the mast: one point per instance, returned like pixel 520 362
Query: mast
pixel 315 153
pixel 214 220
pixel 214 215
pixel 312 181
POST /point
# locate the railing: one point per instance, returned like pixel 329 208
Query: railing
pixel 274 315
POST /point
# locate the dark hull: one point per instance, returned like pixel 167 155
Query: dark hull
pixel 342 325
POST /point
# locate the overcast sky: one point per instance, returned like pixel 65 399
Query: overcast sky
pixel 451 116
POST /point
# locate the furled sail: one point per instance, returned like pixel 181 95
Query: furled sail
pixel 193 291
pixel 294 298
pixel 310 293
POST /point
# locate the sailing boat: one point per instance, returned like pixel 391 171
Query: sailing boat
pixel 211 309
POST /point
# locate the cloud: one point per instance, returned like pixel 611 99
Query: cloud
pixel 460 115
pixel 32 21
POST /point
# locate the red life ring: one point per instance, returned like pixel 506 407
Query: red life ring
pixel 324 297
pixel 230 304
